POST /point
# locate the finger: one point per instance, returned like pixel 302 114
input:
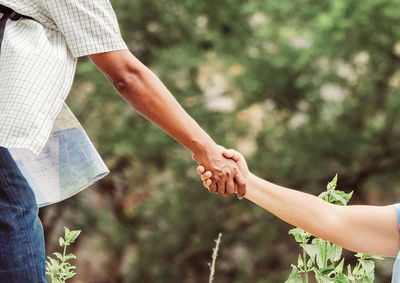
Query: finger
pixel 230 186
pixel 206 175
pixel 194 157
pixel 236 188
pixel 213 186
pixel 207 183
pixel 232 154
pixel 236 155
pixel 227 153
pixel 221 187
pixel 241 182
pixel 200 169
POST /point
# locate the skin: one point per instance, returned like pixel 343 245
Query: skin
pixel 359 228
pixel 142 89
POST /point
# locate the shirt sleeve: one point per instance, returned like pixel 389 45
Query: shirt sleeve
pixel 397 209
pixel 89 26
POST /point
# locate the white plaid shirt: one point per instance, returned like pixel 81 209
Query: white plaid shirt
pixel 38 60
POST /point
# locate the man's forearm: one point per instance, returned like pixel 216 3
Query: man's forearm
pixel 146 93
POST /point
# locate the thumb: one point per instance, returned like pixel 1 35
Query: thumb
pixel 241 182
pixel 228 153
pixel 231 154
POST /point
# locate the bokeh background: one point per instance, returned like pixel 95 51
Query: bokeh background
pixel 304 89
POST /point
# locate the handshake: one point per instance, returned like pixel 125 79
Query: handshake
pixel 225 174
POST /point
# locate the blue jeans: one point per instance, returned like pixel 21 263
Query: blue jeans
pixel 22 250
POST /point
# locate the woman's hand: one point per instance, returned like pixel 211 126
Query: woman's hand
pixel 240 162
pixel 226 177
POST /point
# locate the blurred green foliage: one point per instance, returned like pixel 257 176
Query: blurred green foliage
pixel 303 88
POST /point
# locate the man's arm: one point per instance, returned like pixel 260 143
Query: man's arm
pixel 142 89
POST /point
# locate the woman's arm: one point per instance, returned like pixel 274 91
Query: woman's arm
pixel 142 89
pixel 359 228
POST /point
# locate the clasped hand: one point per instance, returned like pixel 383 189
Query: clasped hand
pixel 221 173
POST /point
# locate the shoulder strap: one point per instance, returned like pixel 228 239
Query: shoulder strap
pixel 8 13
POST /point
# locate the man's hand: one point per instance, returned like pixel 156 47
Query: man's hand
pixel 206 176
pixel 226 178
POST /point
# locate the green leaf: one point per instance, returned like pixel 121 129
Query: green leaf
pixel 332 184
pixel 356 270
pixel 294 276
pixel 320 277
pixel 72 235
pixel 300 262
pixel 54 266
pixel 309 263
pixel 70 275
pixel 369 267
pixel 368 256
pixel 300 235
pixel 322 250
pixel 340 278
pixel 323 195
pixel 61 241
pixel 338 198
pixel 70 256
pixel 342 196
pixel 327 270
pixel 366 280
pixel 339 268
pixel 350 272
pixel 325 279
pixel 66 232
pixel 334 253
pixel 311 250
pixel 58 255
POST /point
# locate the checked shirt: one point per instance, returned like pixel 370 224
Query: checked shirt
pixel 38 61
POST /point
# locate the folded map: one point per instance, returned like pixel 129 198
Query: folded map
pixel 68 163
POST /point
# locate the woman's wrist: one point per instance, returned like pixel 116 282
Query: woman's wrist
pixel 251 180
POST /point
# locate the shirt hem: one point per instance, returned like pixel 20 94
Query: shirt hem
pixel 97 50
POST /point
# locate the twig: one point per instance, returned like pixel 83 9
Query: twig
pixel 214 258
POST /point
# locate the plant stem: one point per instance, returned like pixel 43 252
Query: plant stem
pixel 65 248
pixel 305 265
pixel 63 260
pixel 214 258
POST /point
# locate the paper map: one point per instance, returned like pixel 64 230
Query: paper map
pixel 68 163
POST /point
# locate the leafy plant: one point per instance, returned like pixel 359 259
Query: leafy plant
pixel 60 269
pixel 323 259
